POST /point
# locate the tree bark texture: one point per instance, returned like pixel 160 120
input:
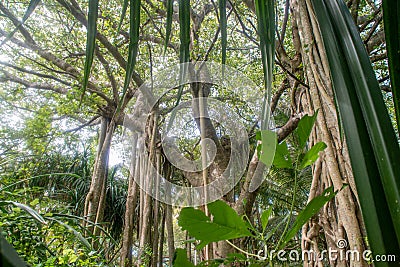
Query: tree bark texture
pixel 340 218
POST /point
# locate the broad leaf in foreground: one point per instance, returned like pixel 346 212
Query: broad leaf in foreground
pixel 226 224
pixel 180 259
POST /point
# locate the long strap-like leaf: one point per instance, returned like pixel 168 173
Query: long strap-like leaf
pixel 32 5
pixel 134 27
pixel 391 17
pixel 223 28
pixel 123 14
pixel 168 26
pixel 265 12
pixel 184 35
pixel 372 144
pixel 8 255
pixel 90 41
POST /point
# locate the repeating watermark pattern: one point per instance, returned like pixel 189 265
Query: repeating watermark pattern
pixel 340 253
pixel 152 95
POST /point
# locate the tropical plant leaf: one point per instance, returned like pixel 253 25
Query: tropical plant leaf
pixel 310 210
pixel 123 14
pixel 8 255
pixel 312 155
pixel 133 48
pixel 267 147
pixel 372 144
pixel 90 42
pixel 226 224
pixel 265 12
pixel 391 19
pixel 282 157
pixel 26 208
pixel 168 26
pixel 180 259
pixel 184 48
pixel 304 128
pixel 223 28
pixel 265 217
pixel 184 33
pixel 31 7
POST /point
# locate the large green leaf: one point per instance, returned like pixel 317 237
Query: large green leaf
pixel 90 41
pixel 265 12
pixel 391 18
pixel 31 7
pixel 312 155
pixel 180 259
pixel 372 144
pixel 267 147
pixel 134 27
pixel 265 217
pixel 282 157
pixel 304 128
pixel 226 224
pixel 310 210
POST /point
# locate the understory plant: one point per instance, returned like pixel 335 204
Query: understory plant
pixel 271 237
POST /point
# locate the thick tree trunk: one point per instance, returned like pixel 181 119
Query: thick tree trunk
pixel 131 201
pixel 94 203
pixel 339 219
pixel 170 233
pixel 150 164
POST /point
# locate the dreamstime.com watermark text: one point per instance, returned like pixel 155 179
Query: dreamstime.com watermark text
pixel 338 254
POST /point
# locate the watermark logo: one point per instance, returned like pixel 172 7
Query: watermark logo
pixel 340 253
pixel 230 100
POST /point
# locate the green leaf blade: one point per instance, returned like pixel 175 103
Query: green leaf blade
pixel 265 12
pixel 268 146
pixel 134 27
pixel 31 7
pixel 265 217
pixel 310 210
pixel 282 158
pixel 391 18
pixel 90 41
pixel 223 28
pixel 33 213
pixel 123 14
pixel 180 259
pixel 304 128
pixel 371 142
pixel 168 26
pixel 184 48
pixel 226 224
pixel 312 155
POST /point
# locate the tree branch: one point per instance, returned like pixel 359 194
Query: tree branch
pixel 34 73
pixel 8 77
pixel 78 14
